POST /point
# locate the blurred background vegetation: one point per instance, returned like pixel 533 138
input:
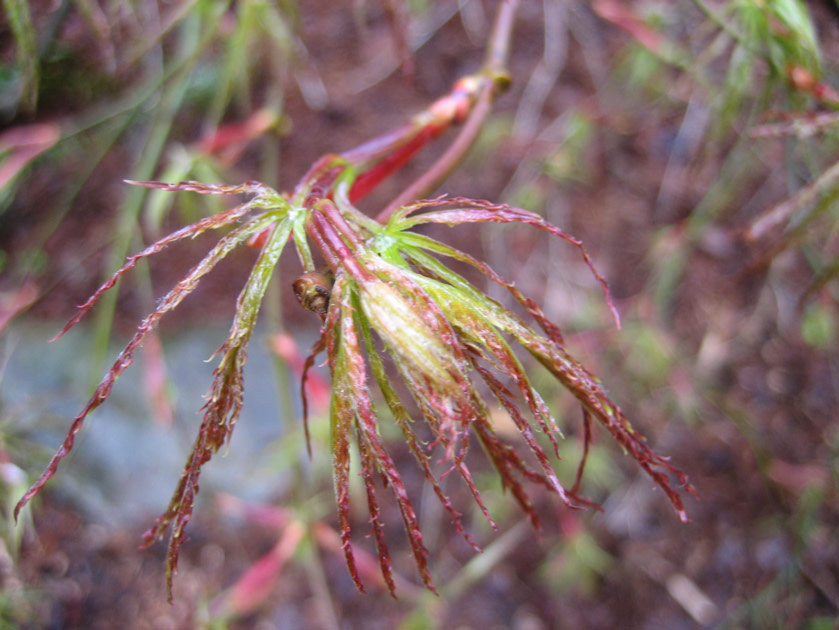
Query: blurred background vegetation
pixel 692 146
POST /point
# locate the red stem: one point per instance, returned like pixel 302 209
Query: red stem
pixel 494 80
pixel 441 169
pixel 334 249
pixel 334 216
pixel 366 182
pixel 321 174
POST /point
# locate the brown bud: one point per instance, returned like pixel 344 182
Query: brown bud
pixel 313 289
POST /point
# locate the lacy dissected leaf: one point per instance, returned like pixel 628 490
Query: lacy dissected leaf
pixel 449 406
pixel 352 407
pixel 222 219
pixel 125 358
pixel 402 419
pixel 478 211
pixel 449 342
pixel 224 401
pixel 415 248
pixel 250 187
pixel 368 466
pixel 341 421
pixel 507 462
pixel 478 318
pixel 444 335
pixel 462 308
pixel 424 346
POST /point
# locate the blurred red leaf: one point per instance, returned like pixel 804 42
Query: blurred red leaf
pixel 257 583
pixel 803 80
pixel 271 516
pixel 797 477
pixel 228 141
pixel 620 15
pixel 14 301
pixel 23 144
